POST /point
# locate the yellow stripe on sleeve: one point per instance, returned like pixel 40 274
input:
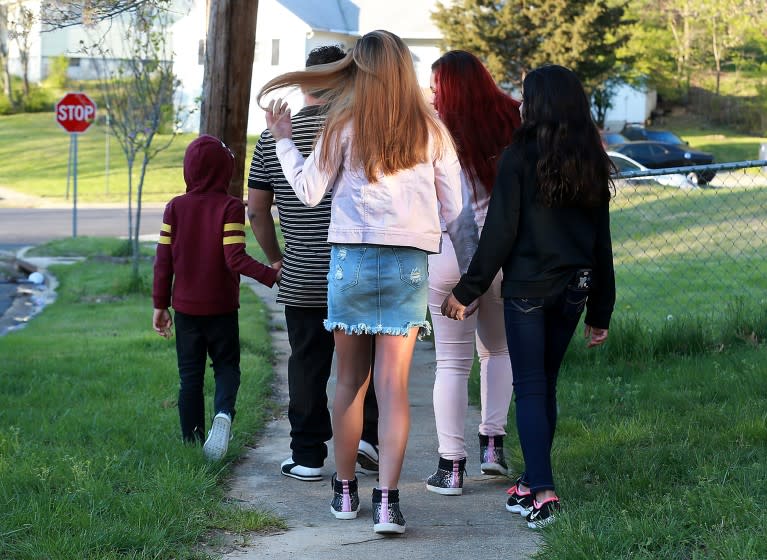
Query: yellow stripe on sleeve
pixel 165 227
pixel 234 227
pixel 163 240
pixel 232 239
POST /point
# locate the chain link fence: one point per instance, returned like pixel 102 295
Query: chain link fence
pixel 687 249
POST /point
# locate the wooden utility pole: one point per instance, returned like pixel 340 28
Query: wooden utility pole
pixel 229 50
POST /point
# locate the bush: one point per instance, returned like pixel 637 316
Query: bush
pixel 6 107
pixel 57 73
pixel 40 100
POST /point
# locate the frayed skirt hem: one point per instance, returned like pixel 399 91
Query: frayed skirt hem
pixel 424 328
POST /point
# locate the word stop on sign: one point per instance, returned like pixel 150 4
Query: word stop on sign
pixel 76 113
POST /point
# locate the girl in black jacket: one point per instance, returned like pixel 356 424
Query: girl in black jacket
pixel 548 227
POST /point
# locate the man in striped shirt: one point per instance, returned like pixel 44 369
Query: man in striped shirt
pixel 303 291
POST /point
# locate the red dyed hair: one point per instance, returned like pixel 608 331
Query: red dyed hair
pixel 481 118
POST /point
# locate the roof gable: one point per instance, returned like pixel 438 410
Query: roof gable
pixel 335 15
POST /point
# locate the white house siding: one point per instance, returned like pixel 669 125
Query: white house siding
pixel 630 104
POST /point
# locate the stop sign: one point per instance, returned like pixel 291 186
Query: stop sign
pixel 75 112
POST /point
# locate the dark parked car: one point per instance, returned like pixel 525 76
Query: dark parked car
pixel 637 132
pixel 610 138
pixel 658 155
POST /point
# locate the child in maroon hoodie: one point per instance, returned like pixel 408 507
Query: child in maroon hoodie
pixel 200 256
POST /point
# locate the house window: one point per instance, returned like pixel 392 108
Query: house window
pixel 275 52
pixel 74 62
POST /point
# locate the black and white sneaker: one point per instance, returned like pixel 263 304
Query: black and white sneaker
pixel 448 478
pixel 346 499
pixel 543 513
pixel 491 457
pixel 367 457
pixel 292 469
pixel 387 517
pixel 216 445
pixel 519 502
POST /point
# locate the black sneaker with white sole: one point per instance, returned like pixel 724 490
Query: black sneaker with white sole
pixel 543 513
pixel 367 457
pixel 448 478
pixel 491 456
pixel 519 501
pixel 346 499
pixel 387 517
pixel 292 469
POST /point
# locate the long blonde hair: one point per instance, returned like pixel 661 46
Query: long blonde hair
pixel 374 89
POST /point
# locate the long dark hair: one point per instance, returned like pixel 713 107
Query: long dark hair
pixel 573 168
pixel 481 118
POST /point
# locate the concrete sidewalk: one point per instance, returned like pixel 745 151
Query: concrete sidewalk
pixel 468 526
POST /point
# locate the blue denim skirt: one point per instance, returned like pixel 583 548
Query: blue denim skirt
pixel 377 289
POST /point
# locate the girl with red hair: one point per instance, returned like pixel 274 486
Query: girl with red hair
pixel 482 120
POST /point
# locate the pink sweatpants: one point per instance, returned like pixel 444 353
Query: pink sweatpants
pixel 454 342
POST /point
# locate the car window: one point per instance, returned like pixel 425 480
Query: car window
pixel 663 136
pixel 624 164
pixel 633 133
pixel 613 138
pixel 638 151
pixel 657 150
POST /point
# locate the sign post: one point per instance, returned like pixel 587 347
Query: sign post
pixel 75 112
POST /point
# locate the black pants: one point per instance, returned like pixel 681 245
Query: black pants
pixel 197 337
pixel 311 357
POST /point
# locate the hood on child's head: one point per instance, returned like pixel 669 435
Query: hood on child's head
pixel 208 165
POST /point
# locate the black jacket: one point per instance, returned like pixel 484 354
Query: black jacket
pixel 539 248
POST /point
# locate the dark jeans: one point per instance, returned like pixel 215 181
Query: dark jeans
pixel 197 337
pixel 538 331
pixel 311 357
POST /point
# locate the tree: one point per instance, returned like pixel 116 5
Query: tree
pixel 4 52
pixel 602 99
pixel 514 36
pixel 229 51
pixel 728 25
pixel 139 93
pixel 19 31
pixel 651 48
pixel 66 13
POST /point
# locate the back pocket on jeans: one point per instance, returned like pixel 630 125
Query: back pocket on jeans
pixel 345 262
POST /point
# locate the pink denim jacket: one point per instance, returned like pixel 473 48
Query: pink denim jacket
pixel 404 209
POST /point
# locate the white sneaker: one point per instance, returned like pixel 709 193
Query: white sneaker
pixel 292 469
pixel 217 443
pixel 367 457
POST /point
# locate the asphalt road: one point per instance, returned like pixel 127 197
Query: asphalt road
pixel 31 226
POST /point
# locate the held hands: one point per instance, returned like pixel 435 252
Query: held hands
pixel 278 119
pixel 594 336
pixel 162 323
pixel 277 265
pixel 454 309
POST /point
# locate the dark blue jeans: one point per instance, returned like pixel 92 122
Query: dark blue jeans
pixel 538 331
pixel 197 337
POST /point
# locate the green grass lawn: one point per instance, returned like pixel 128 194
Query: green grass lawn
pixel 34 150
pixel 726 145
pixel 91 462
pixel 681 252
